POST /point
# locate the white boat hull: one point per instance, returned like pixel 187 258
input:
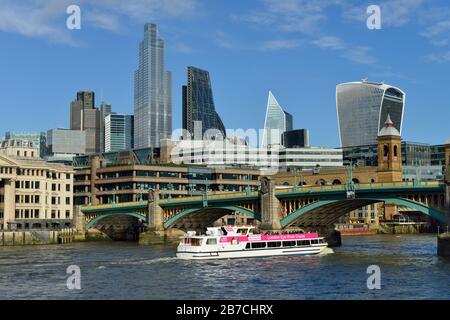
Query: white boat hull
pixel 251 253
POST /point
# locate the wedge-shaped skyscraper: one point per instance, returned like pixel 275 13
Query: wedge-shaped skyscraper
pixel 362 107
pixel 198 105
pixel 276 123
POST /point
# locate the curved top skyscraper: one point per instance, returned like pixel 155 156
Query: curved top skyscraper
pixel 152 92
pixel 276 123
pixel 362 108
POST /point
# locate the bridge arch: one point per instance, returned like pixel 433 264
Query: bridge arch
pixel 101 216
pixel 193 211
pixel 323 212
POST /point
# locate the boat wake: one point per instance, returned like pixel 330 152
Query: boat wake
pixel 145 261
pixel 326 251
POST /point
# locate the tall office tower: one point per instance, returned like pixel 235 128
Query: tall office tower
pixel 152 92
pixel 362 107
pixel 37 138
pixel 84 116
pixel 198 104
pixel 105 109
pixel 276 123
pixel 118 132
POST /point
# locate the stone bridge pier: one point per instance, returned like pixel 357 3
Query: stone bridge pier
pixel 271 215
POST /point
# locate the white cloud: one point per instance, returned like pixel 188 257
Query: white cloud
pixel 360 55
pixel 394 13
pixel 439 57
pixel 182 48
pixel 35 20
pixel 224 40
pixel 330 42
pixel 47 18
pixel 279 45
pixel 305 16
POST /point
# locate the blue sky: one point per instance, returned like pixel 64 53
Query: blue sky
pixel 299 49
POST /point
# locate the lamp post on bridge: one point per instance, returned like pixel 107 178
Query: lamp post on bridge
pixel 350 185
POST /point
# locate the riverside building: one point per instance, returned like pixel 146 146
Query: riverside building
pixel 34 194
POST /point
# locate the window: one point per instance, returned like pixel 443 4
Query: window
pixel 67 187
pixel 274 244
pixel 53 200
pixel 68 176
pixel 67 214
pixel 211 241
pixel 303 242
pixel 36 184
pixel 258 245
pixel 289 243
pixel 385 152
pixel 36 199
pixel 27 184
pixel 53 186
pixel 195 242
pixel 315 241
pixel 36 213
pixel 67 200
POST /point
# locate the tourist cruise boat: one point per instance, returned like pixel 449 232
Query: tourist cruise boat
pixel 240 242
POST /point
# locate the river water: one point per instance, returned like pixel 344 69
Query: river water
pixel 409 268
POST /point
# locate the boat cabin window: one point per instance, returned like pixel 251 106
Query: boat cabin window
pixel 235 241
pixel 242 231
pixel 211 241
pixel 315 241
pixel 274 244
pixel 289 243
pixel 321 241
pixel 247 246
pixel 257 245
pixel 303 242
pixel 196 242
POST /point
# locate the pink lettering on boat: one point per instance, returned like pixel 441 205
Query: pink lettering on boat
pixel 269 237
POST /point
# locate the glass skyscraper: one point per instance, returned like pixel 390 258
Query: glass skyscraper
pixel 152 92
pixel 198 104
pixel 276 123
pixel 362 108
pixel 118 132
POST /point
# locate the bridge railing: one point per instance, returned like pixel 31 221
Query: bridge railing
pixel 210 196
pixel 360 186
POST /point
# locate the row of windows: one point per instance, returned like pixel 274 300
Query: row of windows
pixel 278 244
pixel 170 174
pixel 4 170
pixel 36 185
pixel 43 173
pixel 36 199
pixel 34 214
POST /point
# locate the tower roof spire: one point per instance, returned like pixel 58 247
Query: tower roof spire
pixel 389 129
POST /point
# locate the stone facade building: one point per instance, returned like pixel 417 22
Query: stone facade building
pixel 34 194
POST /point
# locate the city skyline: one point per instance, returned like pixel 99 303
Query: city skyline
pixel 417 75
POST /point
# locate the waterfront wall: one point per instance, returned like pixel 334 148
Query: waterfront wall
pixel 38 237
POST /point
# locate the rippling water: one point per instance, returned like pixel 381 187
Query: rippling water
pixel 409 266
